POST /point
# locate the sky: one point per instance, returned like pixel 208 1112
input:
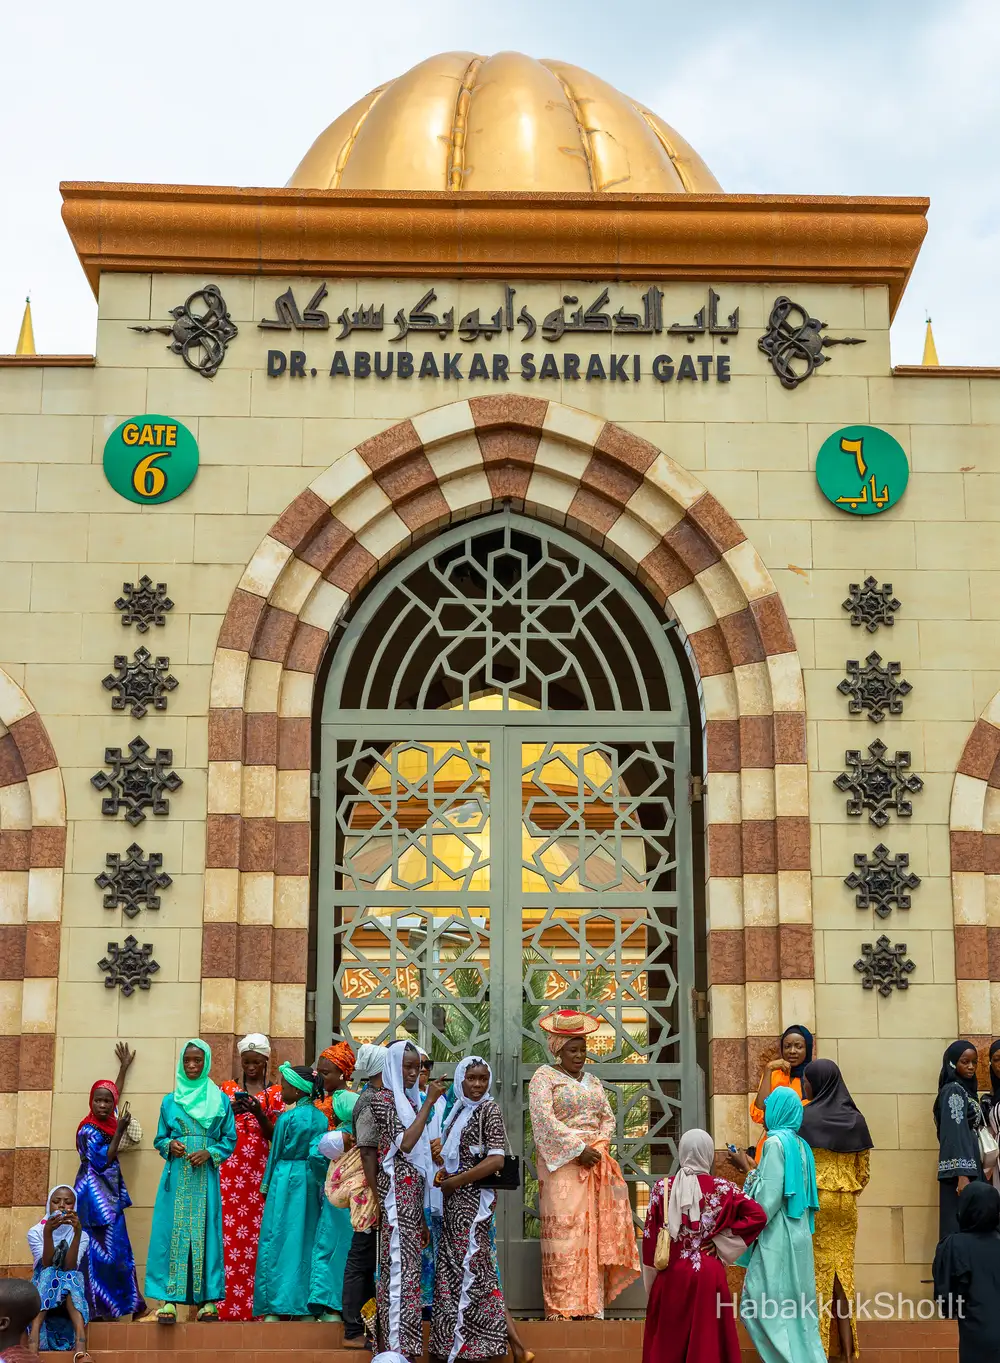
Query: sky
pixel 865 97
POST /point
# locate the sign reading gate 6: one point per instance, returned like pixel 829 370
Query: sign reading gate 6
pixel 150 459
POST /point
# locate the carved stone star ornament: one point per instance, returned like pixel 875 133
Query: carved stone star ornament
pixel 128 967
pixel 142 604
pixel 884 967
pixel 873 687
pixel 871 605
pixel 131 882
pixel 137 782
pixel 140 683
pixel 878 785
pixel 882 881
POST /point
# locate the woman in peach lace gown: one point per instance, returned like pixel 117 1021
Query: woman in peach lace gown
pixel 589 1253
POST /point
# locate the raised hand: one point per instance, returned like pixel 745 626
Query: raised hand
pixel 124 1055
pixel 740 1160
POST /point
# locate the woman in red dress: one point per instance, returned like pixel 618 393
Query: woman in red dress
pixel 255 1107
pixel 690 1317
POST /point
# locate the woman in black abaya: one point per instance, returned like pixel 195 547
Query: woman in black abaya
pixel 967 1274
pixel 957 1119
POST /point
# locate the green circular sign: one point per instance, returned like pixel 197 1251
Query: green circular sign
pixel 862 470
pixel 150 459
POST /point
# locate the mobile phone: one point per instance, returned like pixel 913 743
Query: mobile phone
pixel 242 1095
pixel 731 1148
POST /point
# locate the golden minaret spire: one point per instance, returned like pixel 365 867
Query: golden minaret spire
pixel 930 349
pixel 26 336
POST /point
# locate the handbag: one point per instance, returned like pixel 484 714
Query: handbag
pixel 507 1179
pixel 131 1136
pixel 661 1255
pixel 346 1186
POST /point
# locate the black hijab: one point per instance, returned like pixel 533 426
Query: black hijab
pixel 994 1080
pixel 831 1120
pixel 950 1075
pixel 797 1071
pixel 979 1208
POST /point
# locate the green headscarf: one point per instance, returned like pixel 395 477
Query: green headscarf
pixel 200 1098
pixel 300 1078
pixel 783 1117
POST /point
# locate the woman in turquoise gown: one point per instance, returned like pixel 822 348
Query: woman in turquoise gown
pixel 778 1306
pixel 196 1133
pixel 334 1231
pixel 292 1190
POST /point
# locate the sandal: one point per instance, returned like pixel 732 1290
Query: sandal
pixel 167 1314
pixel 208 1312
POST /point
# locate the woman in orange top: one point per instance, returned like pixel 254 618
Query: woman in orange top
pixel 788 1069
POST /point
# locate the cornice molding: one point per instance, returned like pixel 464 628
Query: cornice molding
pixel 210 231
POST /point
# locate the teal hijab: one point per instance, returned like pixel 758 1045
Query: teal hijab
pixel 200 1098
pixel 783 1116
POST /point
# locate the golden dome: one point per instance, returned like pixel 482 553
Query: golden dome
pixel 506 122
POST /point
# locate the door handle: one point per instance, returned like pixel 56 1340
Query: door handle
pixel 499 1071
pixel 515 1073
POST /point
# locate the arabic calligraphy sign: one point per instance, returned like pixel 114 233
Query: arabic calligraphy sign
pixel 596 320
pixel 862 470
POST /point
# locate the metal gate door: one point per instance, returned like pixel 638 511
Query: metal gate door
pixel 504 830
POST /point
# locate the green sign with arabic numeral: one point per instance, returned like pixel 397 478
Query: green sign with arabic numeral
pixel 150 459
pixel 862 470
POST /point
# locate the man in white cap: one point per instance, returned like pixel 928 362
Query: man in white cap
pixel 359 1273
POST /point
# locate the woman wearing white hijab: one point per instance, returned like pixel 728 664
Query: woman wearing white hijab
pixel 696 1224
pixel 58 1245
pixel 400 1114
pixel 468 1316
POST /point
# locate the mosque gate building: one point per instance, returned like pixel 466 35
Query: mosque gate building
pixel 562 595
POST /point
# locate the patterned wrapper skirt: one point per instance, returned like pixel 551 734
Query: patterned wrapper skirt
pixel 54 1286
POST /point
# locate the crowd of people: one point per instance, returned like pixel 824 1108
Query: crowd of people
pixel 364 1190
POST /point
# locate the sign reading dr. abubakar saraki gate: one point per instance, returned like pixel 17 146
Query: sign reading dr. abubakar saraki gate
pixel 426 342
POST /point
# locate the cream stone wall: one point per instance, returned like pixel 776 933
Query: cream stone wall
pixel 67 542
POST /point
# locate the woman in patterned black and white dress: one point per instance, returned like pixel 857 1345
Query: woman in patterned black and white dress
pixel 468 1316
pixel 405 1176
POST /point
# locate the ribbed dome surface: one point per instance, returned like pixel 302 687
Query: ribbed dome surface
pixel 507 122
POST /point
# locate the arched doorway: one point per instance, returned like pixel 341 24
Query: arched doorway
pixel 505 828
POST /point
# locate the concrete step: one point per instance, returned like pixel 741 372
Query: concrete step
pixel 607 1341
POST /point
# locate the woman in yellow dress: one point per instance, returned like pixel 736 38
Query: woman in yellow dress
pixel 840 1140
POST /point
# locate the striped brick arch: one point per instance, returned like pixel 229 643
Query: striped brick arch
pixel 32 855
pixel 628 497
pixel 975 879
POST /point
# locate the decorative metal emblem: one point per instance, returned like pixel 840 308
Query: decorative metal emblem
pixel 142 604
pixel 131 883
pixel 884 967
pixel 137 782
pixel 873 687
pixel 199 338
pixel 139 683
pixel 874 784
pixel 871 605
pixel 882 881
pixel 793 342
pixel 128 967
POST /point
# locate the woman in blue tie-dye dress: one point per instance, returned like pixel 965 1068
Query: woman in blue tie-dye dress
pixel 101 1200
